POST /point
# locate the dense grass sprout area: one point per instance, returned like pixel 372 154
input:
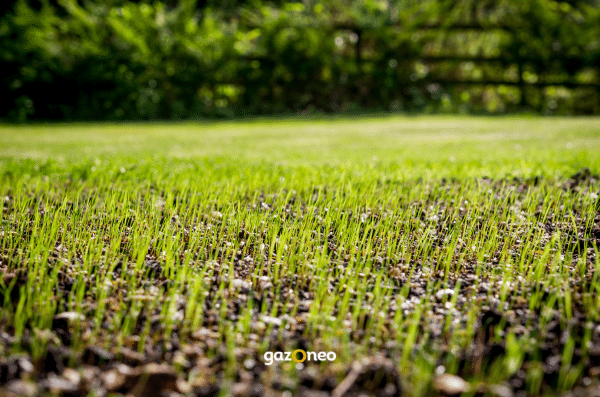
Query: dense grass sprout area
pixel 431 255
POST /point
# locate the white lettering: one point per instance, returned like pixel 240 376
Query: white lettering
pixel 269 358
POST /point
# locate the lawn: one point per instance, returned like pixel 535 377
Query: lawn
pixel 401 255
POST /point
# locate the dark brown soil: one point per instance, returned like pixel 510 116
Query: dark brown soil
pixel 163 367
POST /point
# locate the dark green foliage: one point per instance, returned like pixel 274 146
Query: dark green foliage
pixel 88 59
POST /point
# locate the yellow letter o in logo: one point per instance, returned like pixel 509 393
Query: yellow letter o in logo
pixel 303 355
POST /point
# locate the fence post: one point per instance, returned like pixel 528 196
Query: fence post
pixel 523 99
pixel 358 50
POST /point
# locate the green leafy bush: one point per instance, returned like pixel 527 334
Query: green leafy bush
pixel 179 59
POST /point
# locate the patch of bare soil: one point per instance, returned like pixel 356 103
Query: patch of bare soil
pixel 193 362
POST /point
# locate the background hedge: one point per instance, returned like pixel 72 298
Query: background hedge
pixel 175 59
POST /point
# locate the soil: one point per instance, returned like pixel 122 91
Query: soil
pixel 163 366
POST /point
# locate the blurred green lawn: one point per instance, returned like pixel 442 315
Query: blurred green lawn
pixel 427 145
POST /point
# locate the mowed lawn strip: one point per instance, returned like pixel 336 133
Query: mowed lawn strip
pixel 412 247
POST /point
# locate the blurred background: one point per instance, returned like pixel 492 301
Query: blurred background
pixel 180 59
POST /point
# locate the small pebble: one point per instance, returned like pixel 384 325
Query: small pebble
pixel 451 385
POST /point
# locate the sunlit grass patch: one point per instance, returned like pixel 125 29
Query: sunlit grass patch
pixel 427 249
